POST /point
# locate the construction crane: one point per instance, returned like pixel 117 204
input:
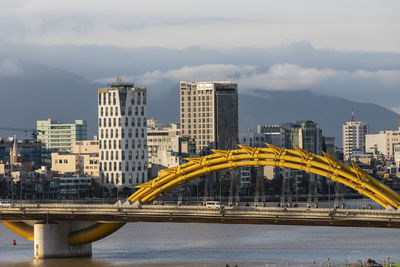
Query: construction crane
pixel 34 132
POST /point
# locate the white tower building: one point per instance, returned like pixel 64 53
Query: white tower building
pixel 354 138
pixel 122 134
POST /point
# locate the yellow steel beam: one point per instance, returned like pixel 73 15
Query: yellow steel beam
pixel 93 233
pixel 21 228
pixel 273 156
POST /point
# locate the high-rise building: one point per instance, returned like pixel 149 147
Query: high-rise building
pixel 354 138
pixel 303 134
pixel 122 134
pixel 209 114
pixel 59 136
pixel 306 135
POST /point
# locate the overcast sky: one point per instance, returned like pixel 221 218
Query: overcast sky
pixel 361 25
pixel 284 45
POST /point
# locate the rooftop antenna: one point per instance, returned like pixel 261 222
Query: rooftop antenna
pixel 352 114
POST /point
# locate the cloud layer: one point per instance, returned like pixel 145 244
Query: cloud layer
pixel 277 77
pixel 348 25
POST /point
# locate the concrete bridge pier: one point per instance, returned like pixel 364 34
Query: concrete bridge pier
pixel 51 241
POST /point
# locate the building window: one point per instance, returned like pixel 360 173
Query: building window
pixel 133 166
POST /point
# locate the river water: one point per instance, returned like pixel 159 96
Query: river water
pixel 192 244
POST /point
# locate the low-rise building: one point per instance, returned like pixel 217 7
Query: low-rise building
pixel 74 187
pixel 166 147
pixel 28 151
pixel 86 146
pixel 66 163
pixel 383 142
pixel 90 164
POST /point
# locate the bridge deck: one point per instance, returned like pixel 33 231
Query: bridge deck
pixel 201 214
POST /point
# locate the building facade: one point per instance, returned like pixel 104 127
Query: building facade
pixel 303 134
pixel 382 143
pixel 354 133
pixel 209 114
pixel 86 146
pixel 122 134
pixel 166 147
pixel 58 136
pixel 66 163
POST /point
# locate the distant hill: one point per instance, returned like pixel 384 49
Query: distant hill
pixel 273 107
pixel 41 92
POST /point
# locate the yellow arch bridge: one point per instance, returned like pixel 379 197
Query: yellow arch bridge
pixel 327 166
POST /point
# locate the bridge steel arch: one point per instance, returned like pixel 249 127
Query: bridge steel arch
pixel 327 166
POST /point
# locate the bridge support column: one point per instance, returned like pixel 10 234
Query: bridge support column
pixel 51 241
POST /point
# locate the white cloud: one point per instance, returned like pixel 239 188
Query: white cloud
pixel 208 72
pixel 287 77
pixel 277 77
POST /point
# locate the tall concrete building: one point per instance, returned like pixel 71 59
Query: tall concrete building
pixel 209 114
pixel 354 133
pixel 122 134
pixel 59 136
pixel 304 134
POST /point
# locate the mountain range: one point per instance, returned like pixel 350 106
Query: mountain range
pixel 37 92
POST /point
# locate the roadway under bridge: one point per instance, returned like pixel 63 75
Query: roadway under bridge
pixel 106 213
